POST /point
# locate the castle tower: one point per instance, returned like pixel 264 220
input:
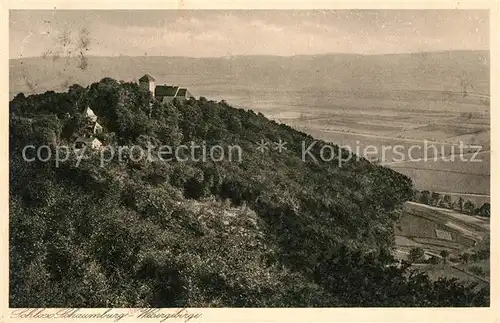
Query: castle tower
pixel 148 82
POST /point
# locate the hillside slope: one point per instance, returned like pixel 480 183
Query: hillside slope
pixel 268 229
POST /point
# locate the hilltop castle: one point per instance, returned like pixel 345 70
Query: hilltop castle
pixel 164 93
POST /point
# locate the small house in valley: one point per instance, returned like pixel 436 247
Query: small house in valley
pixel 164 93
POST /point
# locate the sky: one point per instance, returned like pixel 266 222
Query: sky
pixel 214 33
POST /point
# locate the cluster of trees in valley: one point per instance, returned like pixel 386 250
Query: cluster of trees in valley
pixel 417 255
pixel 445 201
pixel 268 231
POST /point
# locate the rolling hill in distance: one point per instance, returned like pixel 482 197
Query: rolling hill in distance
pixel 240 75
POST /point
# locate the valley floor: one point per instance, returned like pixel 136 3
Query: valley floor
pixel 435 229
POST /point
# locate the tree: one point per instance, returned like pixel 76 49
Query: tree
pixel 484 210
pixel 416 196
pixel 461 204
pixel 434 200
pixel 18 104
pixel 464 257
pixel 424 197
pixel 447 201
pixel 77 94
pixel 416 254
pixel 444 254
pixel 469 207
pixel 466 83
pixel 433 260
pixel 476 270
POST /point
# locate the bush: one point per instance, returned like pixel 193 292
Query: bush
pixel 416 255
pixel 477 270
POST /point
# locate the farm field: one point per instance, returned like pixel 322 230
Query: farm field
pixel 436 149
pixel 428 136
pixel 460 178
pixel 478 225
pixel 434 229
pixel 483 265
pixel 437 271
pixel 446 181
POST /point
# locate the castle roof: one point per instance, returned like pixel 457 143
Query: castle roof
pixel 90 112
pixel 182 92
pixel 166 90
pixel 146 78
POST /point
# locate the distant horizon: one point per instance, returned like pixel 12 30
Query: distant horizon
pixel 261 55
pixel 229 33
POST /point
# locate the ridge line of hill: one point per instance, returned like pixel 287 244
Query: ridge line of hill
pixel 278 56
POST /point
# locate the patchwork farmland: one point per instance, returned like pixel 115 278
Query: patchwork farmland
pixel 434 230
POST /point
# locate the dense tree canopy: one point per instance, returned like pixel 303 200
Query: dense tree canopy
pixel 266 230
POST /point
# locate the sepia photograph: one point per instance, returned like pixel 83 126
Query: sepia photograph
pixel 327 158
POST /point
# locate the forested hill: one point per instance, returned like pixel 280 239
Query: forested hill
pixel 267 230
